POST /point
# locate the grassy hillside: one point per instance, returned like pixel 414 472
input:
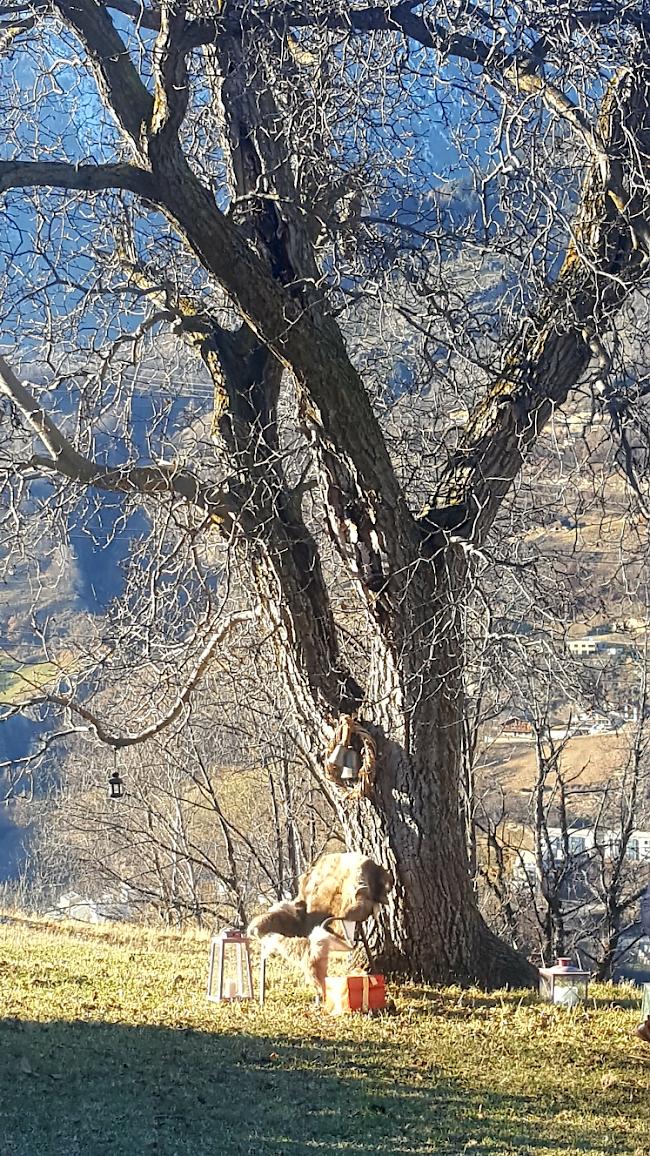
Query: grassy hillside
pixel 108 1046
pixel 587 761
pixel 19 683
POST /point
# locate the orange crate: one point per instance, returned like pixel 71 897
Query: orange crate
pixel 354 993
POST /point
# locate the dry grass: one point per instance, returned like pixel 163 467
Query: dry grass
pixel 587 761
pixel 108 1047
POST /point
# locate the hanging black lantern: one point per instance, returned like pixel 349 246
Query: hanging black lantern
pixel 115 786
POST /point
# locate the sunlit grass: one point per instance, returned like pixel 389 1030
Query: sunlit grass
pixel 108 1045
pixel 19 683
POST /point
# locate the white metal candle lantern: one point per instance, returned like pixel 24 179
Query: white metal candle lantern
pixel 643 1028
pixel 230 943
pixel 563 984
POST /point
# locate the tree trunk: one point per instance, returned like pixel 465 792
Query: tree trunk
pixel 413 823
pixel 431 928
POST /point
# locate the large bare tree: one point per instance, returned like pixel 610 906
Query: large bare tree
pixel 258 182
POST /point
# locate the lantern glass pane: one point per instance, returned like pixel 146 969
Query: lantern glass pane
pixel 229 968
pixel 545 987
pixel 569 991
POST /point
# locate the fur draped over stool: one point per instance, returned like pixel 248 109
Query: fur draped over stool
pixel 340 888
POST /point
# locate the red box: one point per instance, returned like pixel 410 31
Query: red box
pixel 354 993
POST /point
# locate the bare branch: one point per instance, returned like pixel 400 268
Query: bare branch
pixel 607 259
pixel 150 480
pixel 119 741
pixel 84 178
pixel 170 70
pixel 117 78
pixel 142 16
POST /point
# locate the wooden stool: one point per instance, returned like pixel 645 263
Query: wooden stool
pixel 231 989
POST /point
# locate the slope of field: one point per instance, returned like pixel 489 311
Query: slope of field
pixel 17 685
pixel 587 761
pixel 108 1047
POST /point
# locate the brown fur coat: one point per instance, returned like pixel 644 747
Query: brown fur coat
pixel 341 886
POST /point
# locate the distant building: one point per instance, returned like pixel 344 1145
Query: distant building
pixel 516 726
pixel 611 643
pixel 583 841
pixel 580 646
pixel 110 907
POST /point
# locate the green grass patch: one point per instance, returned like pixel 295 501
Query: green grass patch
pixel 108 1047
pixel 19 684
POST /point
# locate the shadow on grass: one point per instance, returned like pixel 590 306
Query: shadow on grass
pixel 94 1089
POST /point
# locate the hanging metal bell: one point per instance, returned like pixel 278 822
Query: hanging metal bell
pixel 351 766
pixel 338 755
